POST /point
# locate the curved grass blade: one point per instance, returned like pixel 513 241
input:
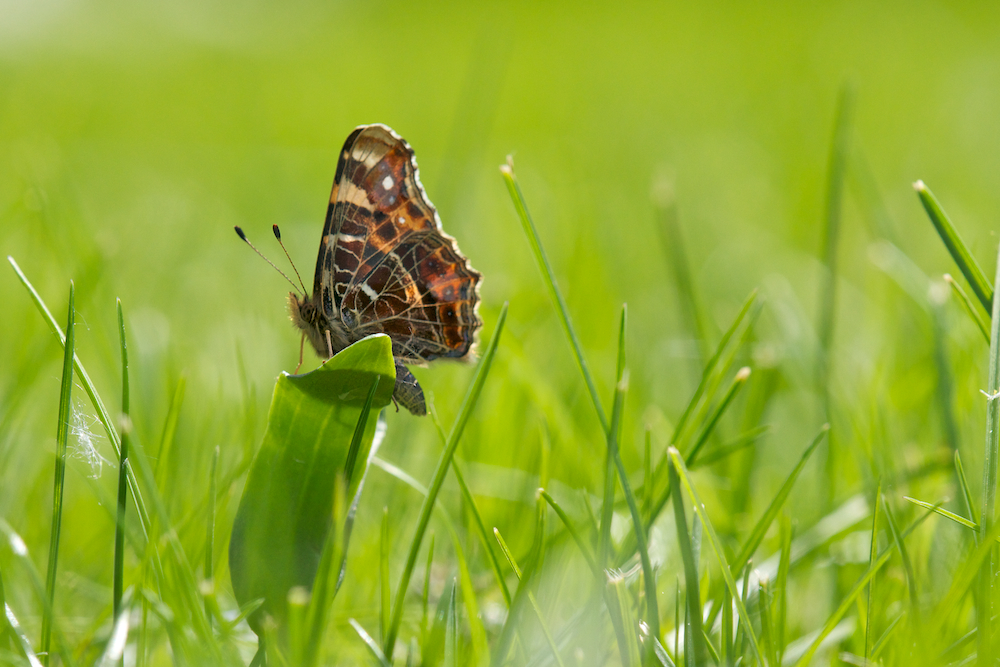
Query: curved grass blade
pixel 956 247
pixel 62 435
pixel 507 170
pixel 88 387
pixel 967 305
pixel 444 462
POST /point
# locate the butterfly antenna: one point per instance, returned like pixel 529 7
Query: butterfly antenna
pixel 244 237
pixel 277 235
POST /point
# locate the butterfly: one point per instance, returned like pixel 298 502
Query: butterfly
pixel 386 266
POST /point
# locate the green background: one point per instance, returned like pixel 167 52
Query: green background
pixel 133 138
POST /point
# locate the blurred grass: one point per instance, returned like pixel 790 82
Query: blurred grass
pixel 133 138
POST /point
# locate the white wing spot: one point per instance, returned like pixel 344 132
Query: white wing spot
pixel 401 220
pixel 366 288
pixel 387 183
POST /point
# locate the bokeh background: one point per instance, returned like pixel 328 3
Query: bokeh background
pixel 134 136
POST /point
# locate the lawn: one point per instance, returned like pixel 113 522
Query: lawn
pixel 705 236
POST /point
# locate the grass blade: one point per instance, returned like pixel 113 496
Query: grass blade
pixel 964 484
pixel 427 589
pixel 680 474
pixel 451 631
pixel 383 570
pixel 969 307
pixel 476 515
pixel 760 529
pixel 507 170
pixel 956 247
pixel 937 509
pixel 591 563
pixel 848 600
pixel 624 622
pixel 872 555
pixel 785 536
pixel 738 381
pixel 444 462
pixel 693 634
pixel 991 455
pixel 62 436
pixel 370 643
pixel 126 426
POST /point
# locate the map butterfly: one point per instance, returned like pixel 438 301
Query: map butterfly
pixel 386 266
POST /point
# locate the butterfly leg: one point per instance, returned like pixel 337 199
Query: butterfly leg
pixel 302 346
pixel 408 392
pixel 329 345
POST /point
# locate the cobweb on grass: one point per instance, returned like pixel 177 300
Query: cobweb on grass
pixel 84 441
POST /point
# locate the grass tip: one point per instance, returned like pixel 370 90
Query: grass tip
pixel 825 427
pixel 742 374
pixel 919 186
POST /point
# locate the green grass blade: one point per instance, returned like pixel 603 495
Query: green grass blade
pixel 969 307
pixel 911 582
pixel 451 631
pixel 213 493
pixel 507 170
pixel 629 543
pixel 760 529
pixel 706 375
pixel 956 247
pixel 444 462
pixel 506 553
pixel 872 556
pixel 372 645
pixel 831 228
pixel 574 533
pixel 848 600
pixel 22 641
pixel 476 515
pixel 427 590
pixel 991 456
pixel 673 241
pixel 937 509
pixel 118 575
pixel 383 570
pixel 62 436
pixel 620 609
pixel 738 381
pixel 693 634
pixel 648 575
pixel 611 438
pixel 680 474
pixel 784 562
pixel 963 482
pixel 767 637
pixel 661 654
pixel 88 386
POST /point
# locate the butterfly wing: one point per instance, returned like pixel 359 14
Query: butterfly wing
pixel 385 265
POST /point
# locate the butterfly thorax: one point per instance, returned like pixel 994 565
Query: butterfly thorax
pixel 315 324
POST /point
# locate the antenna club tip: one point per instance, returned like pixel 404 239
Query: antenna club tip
pixel 277 232
pixel 240 233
